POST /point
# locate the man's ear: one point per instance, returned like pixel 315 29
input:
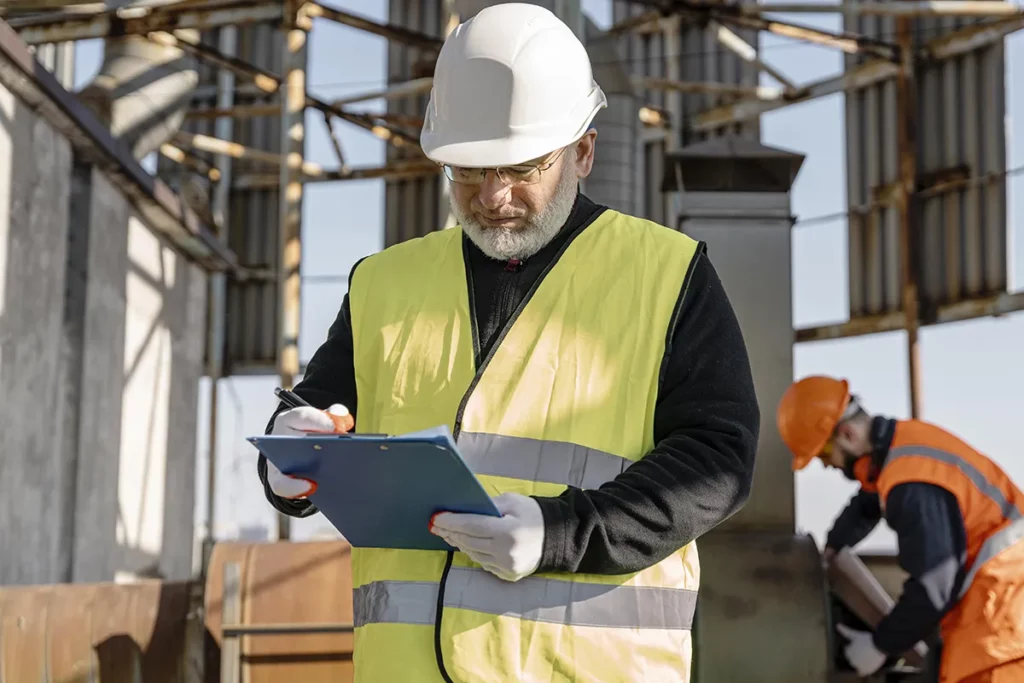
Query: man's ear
pixel 584 150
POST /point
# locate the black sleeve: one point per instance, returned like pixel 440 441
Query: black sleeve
pixel 330 378
pixel 699 473
pixel 933 551
pixel 858 519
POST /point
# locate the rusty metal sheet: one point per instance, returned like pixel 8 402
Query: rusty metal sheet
pixel 94 633
pixel 288 584
pixel 960 190
pixel 23 632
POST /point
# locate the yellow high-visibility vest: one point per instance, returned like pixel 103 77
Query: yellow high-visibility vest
pixel 565 397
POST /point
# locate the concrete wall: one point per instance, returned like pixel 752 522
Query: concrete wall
pixel 101 349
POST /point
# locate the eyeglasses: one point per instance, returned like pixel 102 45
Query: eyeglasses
pixel 524 174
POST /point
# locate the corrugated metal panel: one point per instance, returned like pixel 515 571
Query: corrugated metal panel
pixel 683 52
pixel 961 216
pixel 252 230
pixel 417 206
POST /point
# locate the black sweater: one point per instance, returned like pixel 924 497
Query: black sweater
pixel 706 422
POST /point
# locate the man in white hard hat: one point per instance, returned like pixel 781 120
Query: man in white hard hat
pixel 589 364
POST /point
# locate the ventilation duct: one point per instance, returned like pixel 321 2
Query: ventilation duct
pixel 142 90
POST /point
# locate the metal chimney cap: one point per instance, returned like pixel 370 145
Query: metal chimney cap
pixel 731 164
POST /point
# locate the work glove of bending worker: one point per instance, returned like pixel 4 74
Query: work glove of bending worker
pixel 509 546
pixel 297 422
pixel 861 651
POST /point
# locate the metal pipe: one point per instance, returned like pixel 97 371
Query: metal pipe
pixel 141 92
pixel 231 612
pixel 235 630
pixel 224 128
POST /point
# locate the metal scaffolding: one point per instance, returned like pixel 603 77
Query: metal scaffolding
pixel 218 23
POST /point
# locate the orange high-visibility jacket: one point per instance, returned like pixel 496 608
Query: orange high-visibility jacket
pixel 986 626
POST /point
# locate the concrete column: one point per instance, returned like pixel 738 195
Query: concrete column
pixel 763 589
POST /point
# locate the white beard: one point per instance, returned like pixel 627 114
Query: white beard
pixel 503 244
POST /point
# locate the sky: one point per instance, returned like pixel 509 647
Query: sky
pixel 972 372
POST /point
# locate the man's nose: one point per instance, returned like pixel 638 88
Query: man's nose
pixel 493 192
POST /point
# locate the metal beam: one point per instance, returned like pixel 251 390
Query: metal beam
pixel 242 111
pixel 748 53
pixel 37 31
pixel 969 39
pixel 190 161
pixel 206 143
pixel 851 43
pixel 397 170
pixel 905 8
pixel 122 7
pixel 417 86
pixel 758 92
pixel 971 309
pixel 861 76
pixel 906 144
pixel 389 31
pixel 189 42
pixel 269 83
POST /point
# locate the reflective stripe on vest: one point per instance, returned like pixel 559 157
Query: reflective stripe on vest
pixel 551 462
pixel 532 599
pixel 998 541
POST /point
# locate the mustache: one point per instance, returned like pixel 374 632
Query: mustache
pixel 500 216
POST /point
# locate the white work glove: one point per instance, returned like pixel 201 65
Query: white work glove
pixel 298 422
pixel 509 546
pixel 861 651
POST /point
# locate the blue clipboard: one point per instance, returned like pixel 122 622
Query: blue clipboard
pixel 380 491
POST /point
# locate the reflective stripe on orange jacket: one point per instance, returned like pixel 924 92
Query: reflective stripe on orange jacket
pixel 986 627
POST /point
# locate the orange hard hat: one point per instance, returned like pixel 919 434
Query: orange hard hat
pixel 808 414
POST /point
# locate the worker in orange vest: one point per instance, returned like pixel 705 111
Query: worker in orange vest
pixel 958 518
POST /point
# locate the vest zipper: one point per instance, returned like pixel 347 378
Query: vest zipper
pixel 481 367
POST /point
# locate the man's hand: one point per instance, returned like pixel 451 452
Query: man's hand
pixel 828 555
pixel 296 422
pixel 509 546
pixel 861 651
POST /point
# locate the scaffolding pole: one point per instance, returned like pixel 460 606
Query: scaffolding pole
pixel 293 105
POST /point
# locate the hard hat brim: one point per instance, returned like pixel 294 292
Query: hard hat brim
pixel 517 147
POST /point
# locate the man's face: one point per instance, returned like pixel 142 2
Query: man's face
pixel 844 448
pixel 509 220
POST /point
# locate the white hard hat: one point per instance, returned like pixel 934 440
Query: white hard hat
pixel 510 85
